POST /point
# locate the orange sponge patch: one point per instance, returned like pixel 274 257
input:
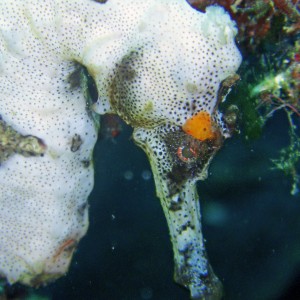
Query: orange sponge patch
pixel 200 126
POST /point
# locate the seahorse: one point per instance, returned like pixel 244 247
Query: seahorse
pixel 160 65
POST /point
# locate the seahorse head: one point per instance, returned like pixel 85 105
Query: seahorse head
pixel 173 66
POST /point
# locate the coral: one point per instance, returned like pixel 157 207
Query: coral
pixel 269 38
pixel 255 19
pixel 289 158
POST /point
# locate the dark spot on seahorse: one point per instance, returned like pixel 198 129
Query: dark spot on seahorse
pixel 86 163
pixel 76 142
pixel 100 1
pixel 82 208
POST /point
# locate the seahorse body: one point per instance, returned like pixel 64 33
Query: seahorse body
pixel 156 63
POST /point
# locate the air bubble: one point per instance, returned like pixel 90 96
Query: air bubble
pixel 146 293
pixel 128 175
pixel 146 175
